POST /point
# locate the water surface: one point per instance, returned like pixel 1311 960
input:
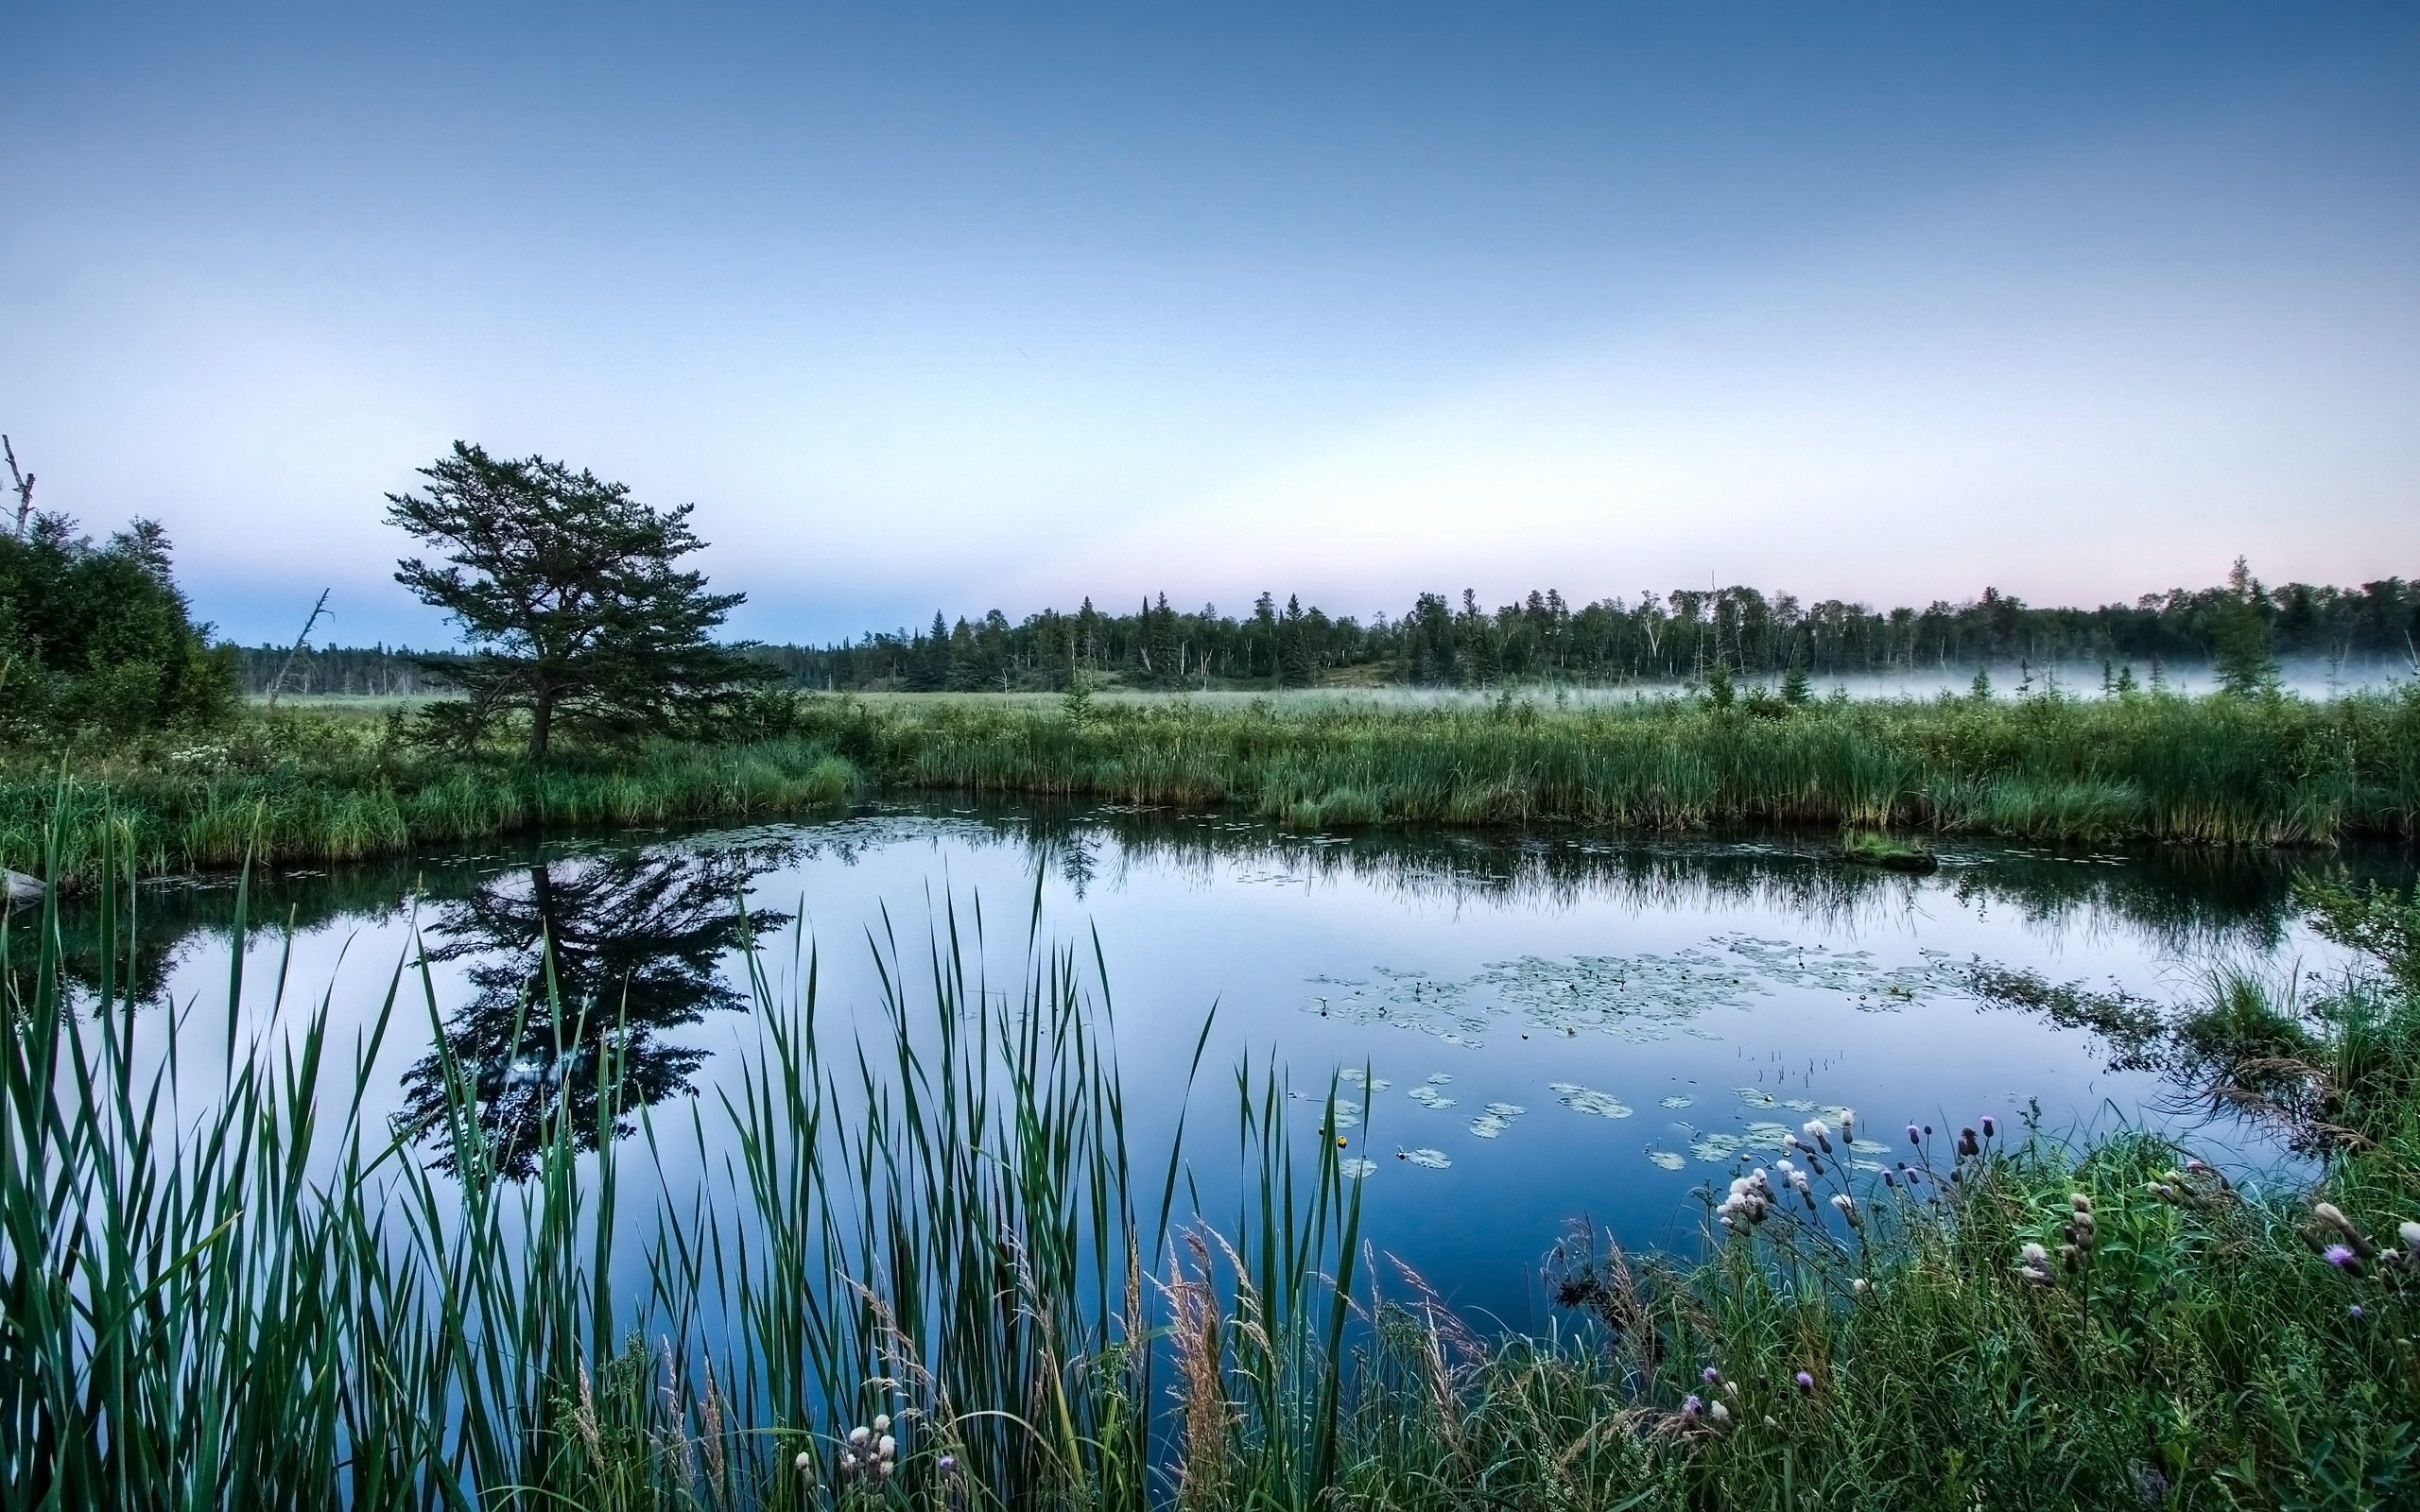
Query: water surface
pixel 1530 1028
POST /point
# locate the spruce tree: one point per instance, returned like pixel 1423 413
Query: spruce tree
pixel 1293 650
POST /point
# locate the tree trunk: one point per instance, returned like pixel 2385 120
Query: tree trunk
pixel 542 722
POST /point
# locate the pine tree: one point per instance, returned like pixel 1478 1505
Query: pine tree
pixel 567 589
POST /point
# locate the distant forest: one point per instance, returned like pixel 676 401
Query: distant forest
pixel 1672 637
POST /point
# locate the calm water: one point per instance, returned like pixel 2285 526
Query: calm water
pixel 1553 1026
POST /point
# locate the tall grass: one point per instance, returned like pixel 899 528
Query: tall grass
pixel 2218 770
pixel 338 798
pixel 229 1281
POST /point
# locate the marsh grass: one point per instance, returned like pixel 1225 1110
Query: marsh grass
pixel 231 1282
pixel 2153 768
pixel 312 790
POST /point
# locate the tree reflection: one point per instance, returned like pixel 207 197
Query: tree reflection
pixel 582 966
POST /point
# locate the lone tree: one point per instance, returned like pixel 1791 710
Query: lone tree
pixel 565 587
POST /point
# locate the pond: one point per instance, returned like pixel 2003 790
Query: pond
pixel 1523 1029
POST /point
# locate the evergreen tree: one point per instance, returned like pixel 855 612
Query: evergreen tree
pixel 928 667
pixel 567 589
pixel 1293 650
pixel 2240 651
pixel 1159 644
pixel 1794 687
pixel 100 637
pixel 1719 693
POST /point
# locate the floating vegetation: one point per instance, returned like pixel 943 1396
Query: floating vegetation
pixel 1676 1100
pixel 1717 1148
pixel 1498 1118
pixel 1755 1097
pixel 1348 1112
pixel 1408 999
pixel 1433 1159
pixel 1587 1100
pixel 1438 1078
pixel 1361 1077
pixel 1869 1147
pixel 1669 1159
pixel 1640 999
pixel 1771 1136
pixel 1354 1167
pixel 1818 968
pixel 1427 1096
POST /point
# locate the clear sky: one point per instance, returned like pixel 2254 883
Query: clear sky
pixel 972 306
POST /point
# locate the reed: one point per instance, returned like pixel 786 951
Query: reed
pixel 2221 770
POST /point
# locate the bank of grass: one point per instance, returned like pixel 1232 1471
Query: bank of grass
pixel 228 1285
pixel 334 784
pixel 310 788
pixel 2141 767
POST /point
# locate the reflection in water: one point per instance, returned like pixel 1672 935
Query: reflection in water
pixel 641 933
pixel 580 964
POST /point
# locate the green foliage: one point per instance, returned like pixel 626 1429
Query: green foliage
pixel 98 638
pixel 566 588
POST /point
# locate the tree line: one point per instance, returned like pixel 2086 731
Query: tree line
pixel 1685 635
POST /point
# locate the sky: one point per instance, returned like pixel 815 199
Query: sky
pixel 961 307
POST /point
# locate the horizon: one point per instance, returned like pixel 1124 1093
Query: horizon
pixel 969 309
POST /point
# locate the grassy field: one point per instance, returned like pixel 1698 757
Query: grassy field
pixel 227 1286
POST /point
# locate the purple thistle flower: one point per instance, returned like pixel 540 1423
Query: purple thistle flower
pixel 1710 1375
pixel 1690 1406
pixel 1806 1383
pixel 2339 1256
pixel 2356 1311
pixel 1914 1137
pixel 1989 1128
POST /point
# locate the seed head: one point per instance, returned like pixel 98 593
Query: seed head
pixel 1721 1414
pixel 882 1422
pixel 2409 1233
pixel 804 1462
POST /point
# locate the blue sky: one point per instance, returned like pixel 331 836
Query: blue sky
pixel 975 306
